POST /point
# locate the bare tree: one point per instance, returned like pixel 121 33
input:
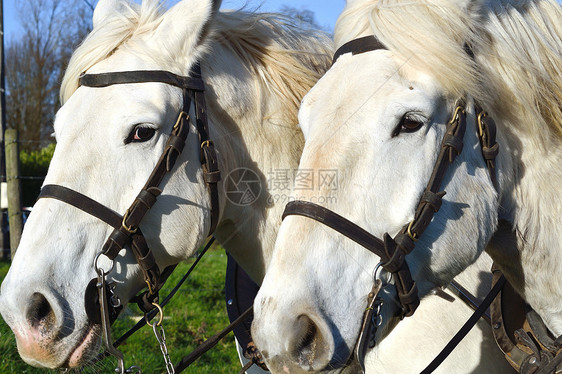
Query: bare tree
pixel 303 17
pixel 36 60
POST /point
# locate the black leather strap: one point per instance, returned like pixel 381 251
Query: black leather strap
pixel 358 46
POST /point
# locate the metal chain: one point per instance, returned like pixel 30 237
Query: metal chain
pixel 376 321
pixel 161 337
pixel 103 288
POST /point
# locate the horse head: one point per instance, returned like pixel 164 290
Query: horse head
pixel 384 119
pixel 110 137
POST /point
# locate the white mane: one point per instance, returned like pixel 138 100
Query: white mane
pixel 518 45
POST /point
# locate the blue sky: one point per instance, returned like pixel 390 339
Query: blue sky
pixel 325 11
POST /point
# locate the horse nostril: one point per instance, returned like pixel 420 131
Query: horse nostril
pixel 40 314
pixel 309 346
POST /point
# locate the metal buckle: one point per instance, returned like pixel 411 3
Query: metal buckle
pixel 207 144
pixel 182 113
pixel 481 116
pixel 459 109
pixel 411 234
pixel 129 229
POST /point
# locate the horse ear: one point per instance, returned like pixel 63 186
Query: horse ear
pixel 104 8
pixel 185 24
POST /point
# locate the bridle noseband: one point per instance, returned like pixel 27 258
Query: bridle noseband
pixel 127 232
pixel 393 251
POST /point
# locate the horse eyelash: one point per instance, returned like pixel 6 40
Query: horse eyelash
pixel 411 116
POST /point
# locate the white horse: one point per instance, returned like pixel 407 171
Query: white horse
pixel 256 69
pixel 378 118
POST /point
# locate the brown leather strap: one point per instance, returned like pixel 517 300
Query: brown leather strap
pixel 141 76
pixel 209 159
pixel 392 257
pixel 490 148
pixel 367 331
pixel 82 202
pixel 430 203
pixel 337 223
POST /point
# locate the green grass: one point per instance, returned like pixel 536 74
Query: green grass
pixel 196 313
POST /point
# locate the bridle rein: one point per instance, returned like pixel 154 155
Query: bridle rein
pixel 101 306
pixel 393 251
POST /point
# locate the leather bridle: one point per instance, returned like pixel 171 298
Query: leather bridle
pixel 393 251
pixel 127 233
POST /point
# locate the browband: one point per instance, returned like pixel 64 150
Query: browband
pixel 143 76
pixel 358 46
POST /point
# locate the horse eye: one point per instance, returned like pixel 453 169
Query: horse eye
pixel 407 124
pixel 140 134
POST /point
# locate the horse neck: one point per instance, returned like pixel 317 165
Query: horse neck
pixel 252 131
pixel 528 250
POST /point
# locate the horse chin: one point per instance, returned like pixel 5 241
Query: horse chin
pixel 87 347
pixel 55 355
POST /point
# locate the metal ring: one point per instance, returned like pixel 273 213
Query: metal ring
pixel 206 143
pixel 160 311
pixel 377 269
pixel 98 269
pixel 379 275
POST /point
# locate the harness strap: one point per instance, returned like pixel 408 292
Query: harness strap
pixel 521 334
pixel 211 342
pixel 358 46
pixel 465 329
pixel 82 202
pixel 194 83
pixel 391 255
pixel 490 148
pixel 209 159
